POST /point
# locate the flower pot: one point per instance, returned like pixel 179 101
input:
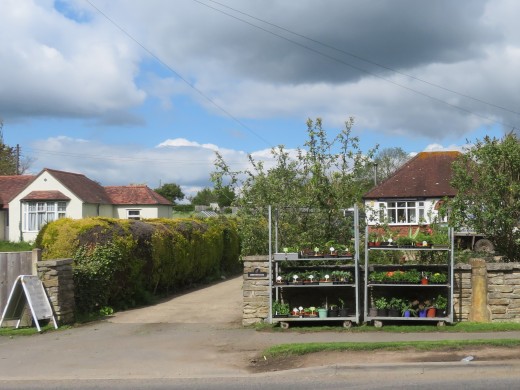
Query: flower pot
pixel 422 313
pixel 393 313
pixel 333 312
pixel 382 312
pixel 431 312
pixel 424 281
pixel 322 313
pixel 343 312
pixel 407 313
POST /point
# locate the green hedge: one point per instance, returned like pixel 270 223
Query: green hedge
pixel 119 263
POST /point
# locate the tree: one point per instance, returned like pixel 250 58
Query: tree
pixel 170 191
pixel 223 196
pixel 487 180
pixel 387 161
pixel 11 162
pixel 204 197
pixel 310 187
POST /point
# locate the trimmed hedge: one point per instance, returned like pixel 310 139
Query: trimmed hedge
pixel 119 263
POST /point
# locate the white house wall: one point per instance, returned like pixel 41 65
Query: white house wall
pixel 44 182
pixel 145 211
pixel 98 210
pixel 372 210
pixel 3 232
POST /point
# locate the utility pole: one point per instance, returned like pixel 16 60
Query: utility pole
pixel 17 159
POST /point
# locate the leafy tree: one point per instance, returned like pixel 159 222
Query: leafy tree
pixel 487 179
pixel 8 160
pixel 204 197
pixel 387 161
pixel 223 196
pixel 170 191
pixel 11 162
pixel 309 187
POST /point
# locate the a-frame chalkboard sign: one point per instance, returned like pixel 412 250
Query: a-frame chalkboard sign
pixel 28 289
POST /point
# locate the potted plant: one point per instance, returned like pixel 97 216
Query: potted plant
pixel 373 239
pixel 441 303
pixel 322 312
pixel 405 242
pixel 438 278
pixel 394 307
pixel 280 309
pixel 343 311
pixel 407 309
pixel 381 305
pixel 333 311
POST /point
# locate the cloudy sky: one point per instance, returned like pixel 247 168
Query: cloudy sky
pixel 145 91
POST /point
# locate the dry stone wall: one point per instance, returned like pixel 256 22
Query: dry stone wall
pixel 255 290
pixel 501 294
pixel 57 278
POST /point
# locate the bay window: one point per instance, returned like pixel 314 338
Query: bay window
pixel 37 214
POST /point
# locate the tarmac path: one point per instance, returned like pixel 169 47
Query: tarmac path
pixel 195 335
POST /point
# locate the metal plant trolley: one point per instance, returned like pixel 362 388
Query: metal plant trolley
pixel 300 293
pixel 432 265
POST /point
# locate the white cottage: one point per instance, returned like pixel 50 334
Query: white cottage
pixel 28 202
pixel 412 195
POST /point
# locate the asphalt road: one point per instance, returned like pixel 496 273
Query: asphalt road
pixel 196 335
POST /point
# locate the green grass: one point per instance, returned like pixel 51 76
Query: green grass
pixel 285 350
pixel 6 246
pixel 28 331
pixel 467 327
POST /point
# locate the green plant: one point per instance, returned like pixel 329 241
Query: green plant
pixel 341 303
pixel 381 303
pixel 441 302
pixel 437 278
pixel 280 308
pixel 395 303
pixel 106 311
pixel 405 241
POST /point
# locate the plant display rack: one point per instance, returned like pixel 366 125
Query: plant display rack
pixel 425 261
pixel 335 279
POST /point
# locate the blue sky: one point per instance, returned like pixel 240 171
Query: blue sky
pixel 147 91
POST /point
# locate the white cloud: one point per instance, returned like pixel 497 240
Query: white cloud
pixel 183 142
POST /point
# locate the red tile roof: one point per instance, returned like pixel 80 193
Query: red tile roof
pixel 427 175
pixel 136 194
pixel 45 195
pixel 84 188
pixel 10 186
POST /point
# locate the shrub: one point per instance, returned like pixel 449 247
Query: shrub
pixel 118 263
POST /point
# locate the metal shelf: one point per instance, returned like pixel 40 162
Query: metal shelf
pixel 334 262
pixel 408 288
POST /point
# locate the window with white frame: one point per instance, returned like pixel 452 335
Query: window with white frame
pixel 37 214
pixel 404 212
pixel 134 214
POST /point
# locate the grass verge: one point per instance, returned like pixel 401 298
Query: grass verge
pixel 463 327
pixel 7 246
pixel 286 350
pixel 28 331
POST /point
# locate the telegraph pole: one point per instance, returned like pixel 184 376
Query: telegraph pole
pixel 17 159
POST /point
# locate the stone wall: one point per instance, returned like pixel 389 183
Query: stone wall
pixel 255 289
pixel 500 293
pixel 57 279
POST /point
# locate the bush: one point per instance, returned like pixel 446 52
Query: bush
pixel 119 263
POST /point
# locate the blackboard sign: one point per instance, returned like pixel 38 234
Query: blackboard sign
pixel 28 289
